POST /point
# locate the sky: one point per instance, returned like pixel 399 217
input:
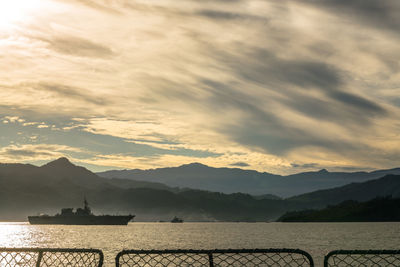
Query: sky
pixel 276 86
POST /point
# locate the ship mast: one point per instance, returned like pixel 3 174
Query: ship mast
pixel 86 206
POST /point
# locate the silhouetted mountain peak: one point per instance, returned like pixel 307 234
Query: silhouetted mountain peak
pixel 61 162
pixel 323 171
pixel 62 168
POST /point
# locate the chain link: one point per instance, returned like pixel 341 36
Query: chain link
pixel 220 258
pixel 37 257
pixel 362 258
pixel 46 257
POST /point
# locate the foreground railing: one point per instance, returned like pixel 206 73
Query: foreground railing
pixel 36 257
pixel 364 258
pixel 26 257
pixel 221 258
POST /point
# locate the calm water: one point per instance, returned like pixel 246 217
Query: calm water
pixel 315 238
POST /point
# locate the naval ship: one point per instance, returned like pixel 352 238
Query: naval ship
pixel 82 216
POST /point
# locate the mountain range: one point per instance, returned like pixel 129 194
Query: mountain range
pixel 232 180
pixel 28 190
pixel 388 185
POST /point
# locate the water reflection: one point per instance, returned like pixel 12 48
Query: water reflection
pixel 16 235
pixel 316 238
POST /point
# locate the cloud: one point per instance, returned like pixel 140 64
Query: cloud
pixel 274 73
pixel 103 6
pixel 12 119
pixel 359 103
pixel 66 91
pixel 240 164
pixel 265 68
pixel 384 14
pixel 223 15
pixel 24 153
pixel 262 128
pixel 305 165
pixel 77 46
pixel 37 152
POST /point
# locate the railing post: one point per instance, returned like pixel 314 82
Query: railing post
pixel 211 259
pixel 39 260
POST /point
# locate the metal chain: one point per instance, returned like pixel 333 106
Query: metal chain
pixel 29 257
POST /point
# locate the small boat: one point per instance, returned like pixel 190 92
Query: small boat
pixel 177 220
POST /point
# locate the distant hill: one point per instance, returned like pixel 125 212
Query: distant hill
pixel 376 210
pixel 231 180
pixel 62 170
pixel 385 186
pixel 27 189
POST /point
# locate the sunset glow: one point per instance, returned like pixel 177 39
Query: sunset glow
pixel 16 11
pixel 260 84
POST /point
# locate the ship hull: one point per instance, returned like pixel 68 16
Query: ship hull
pixel 81 220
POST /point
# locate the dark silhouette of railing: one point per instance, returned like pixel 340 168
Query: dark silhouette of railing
pixel 211 258
pixel 36 257
pixel 364 258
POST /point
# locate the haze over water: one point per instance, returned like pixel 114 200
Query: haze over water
pixel 316 238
